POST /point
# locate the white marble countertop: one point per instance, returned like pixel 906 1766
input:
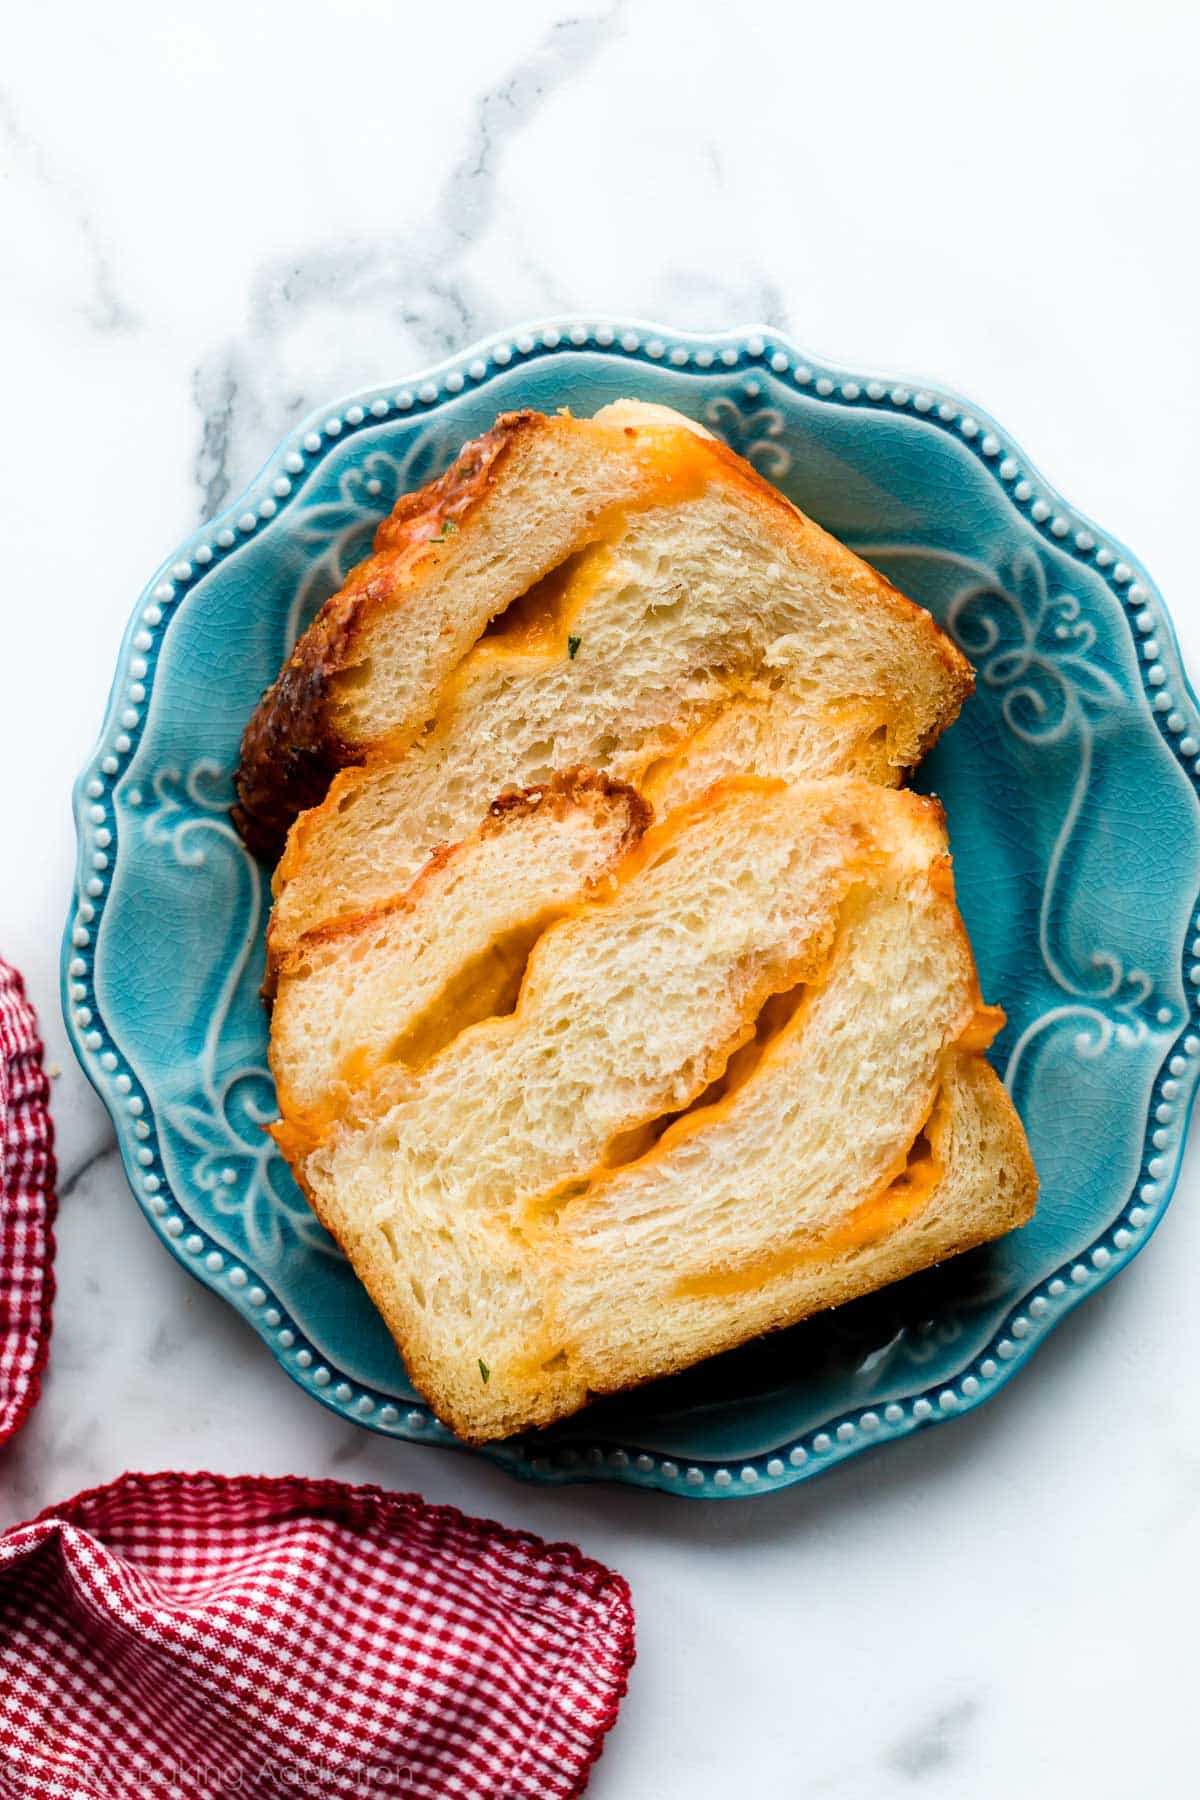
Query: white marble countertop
pixel 215 218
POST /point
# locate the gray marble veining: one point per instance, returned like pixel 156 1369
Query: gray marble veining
pixel 408 291
pixel 104 307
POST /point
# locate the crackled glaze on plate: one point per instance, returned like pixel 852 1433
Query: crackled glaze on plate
pixel 1071 788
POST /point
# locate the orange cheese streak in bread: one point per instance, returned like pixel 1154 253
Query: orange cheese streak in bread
pixel 871 1220
pixel 301 1130
pixel 486 986
pixel 985 1027
pixel 679 465
pixel 900 1198
pixel 534 625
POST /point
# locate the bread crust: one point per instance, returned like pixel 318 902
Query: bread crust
pixel 314 1085
pixel 546 1401
pixel 292 749
pixel 840 560
pixel 570 788
pixel 899 1255
pixel 981 1180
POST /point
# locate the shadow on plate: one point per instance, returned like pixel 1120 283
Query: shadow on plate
pixel 867 1349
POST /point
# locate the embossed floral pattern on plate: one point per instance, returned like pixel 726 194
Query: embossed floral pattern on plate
pixel 1070 786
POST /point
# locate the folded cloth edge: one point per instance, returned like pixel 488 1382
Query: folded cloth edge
pixel 601 1585
pixel 47 1188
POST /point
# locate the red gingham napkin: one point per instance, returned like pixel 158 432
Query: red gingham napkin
pixel 203 1636
pixel 26 1205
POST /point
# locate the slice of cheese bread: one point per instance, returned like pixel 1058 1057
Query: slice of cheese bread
pixel 620 592
pixel 396 983
pixel 733 1074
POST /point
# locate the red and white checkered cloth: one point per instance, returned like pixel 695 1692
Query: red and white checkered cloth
pixel 195 1635
pixel 26 1205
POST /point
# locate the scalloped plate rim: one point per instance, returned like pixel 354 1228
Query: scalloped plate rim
pixel 518 1456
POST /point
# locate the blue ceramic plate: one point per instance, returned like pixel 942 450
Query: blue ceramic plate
pixel 1071 788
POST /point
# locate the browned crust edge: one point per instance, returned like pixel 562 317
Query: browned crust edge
pixel 961 682
pixel 290 750
pixel 571 787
